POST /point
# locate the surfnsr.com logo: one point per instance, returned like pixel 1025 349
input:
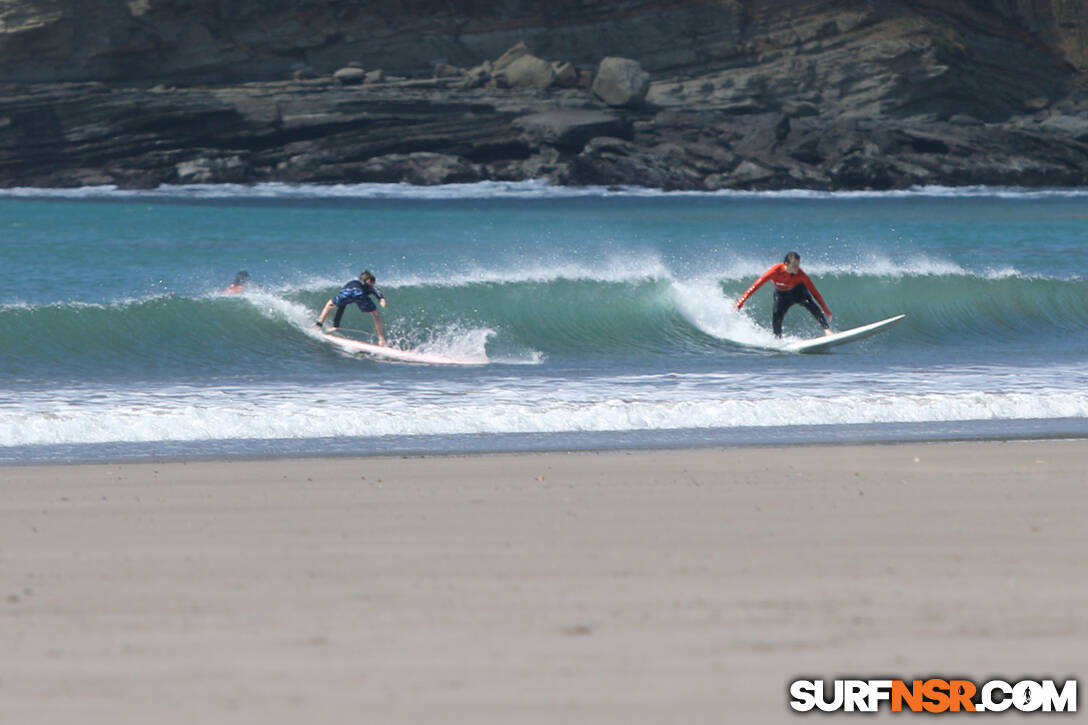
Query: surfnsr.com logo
pixel 934 695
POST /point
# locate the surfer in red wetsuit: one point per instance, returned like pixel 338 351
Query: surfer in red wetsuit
pixel 791 287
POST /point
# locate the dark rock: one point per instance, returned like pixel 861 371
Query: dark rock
pixel 479 76
pixel 232 169
pixel 800 109
pixel 859 171
pixel 303 72
pixel 569 130
pixel 760 94
pixel 616 162
pixel 422 168
pixel 546 164
pixel 566 75
pixel 445 70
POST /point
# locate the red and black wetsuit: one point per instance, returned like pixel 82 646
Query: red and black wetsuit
pixel 789 290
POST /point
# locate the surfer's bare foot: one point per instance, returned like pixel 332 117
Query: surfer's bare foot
pixel 827 331
pixel 333 329
pixel 381 342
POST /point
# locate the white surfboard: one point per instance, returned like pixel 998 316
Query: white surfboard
pixel 857 333
pixel 393 353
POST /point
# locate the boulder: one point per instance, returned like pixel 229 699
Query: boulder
pixel 621 82
pixel 515 52
pixel 750 172
pixel 528 71
pixel 350 76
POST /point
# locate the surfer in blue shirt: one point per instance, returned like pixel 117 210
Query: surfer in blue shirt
pixel 358 292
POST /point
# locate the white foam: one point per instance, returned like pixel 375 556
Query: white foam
pixel 869 265
pixel 278 308
pixel 458 343
pixel 534 189
pixel 467 345
pixel 194 414
pixel 704 306
pixel 115 304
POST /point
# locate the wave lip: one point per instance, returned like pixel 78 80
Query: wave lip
pixel 519 318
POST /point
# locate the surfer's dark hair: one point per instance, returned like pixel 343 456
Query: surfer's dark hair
pixel 791 255
pixel 367 276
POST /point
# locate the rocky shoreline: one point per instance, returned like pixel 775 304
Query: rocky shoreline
pixel 866 100
pixel 430 133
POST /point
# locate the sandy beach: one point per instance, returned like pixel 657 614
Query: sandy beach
pixel 685 586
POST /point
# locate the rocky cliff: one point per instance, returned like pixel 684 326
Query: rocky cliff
pixel 737 94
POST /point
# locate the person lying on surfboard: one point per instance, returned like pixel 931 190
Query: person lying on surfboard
pixel 357 291
pixel 791 287
pixel 238 285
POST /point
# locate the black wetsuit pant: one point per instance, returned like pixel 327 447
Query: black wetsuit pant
pixel 799 295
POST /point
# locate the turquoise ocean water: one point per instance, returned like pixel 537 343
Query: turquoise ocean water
pixel 586 318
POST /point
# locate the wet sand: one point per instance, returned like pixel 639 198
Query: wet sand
pixel 684 586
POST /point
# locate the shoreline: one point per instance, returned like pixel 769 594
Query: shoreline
pixel 598 586
pixel 1073 433
pixel 536 188
pixel 657 450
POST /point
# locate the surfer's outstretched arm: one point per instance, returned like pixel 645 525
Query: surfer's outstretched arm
pixel 756 285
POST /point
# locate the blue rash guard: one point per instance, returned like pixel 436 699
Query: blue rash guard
pixel 355 292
